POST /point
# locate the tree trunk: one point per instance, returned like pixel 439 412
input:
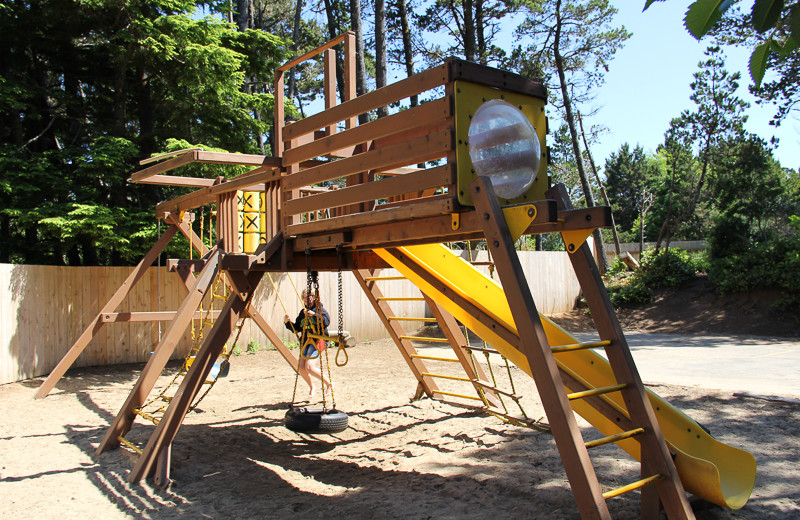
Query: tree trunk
pixel 600 249
pixel 331 11
pixel 380 50
pixel 408 53
pixel 599 183
pixel 480 34
pixel 244 14
pixel 292 83
pixel 361 68
pixel 469 30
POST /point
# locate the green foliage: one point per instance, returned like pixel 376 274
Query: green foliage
pixel 253 346
pixel 776 22
pixel 90 88
pixel 658 270
pixel 772 264
pixel 237 350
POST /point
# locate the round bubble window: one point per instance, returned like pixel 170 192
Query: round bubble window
pixel 504 147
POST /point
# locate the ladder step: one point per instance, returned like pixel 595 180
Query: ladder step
pixel 144 415
pixel 479 349
pixel 488 386
pixel 519 420
pixel 409 318
pixel 129 444
pixel 401 299
pixel 423 338
pixel 596 391
pixel 434 358
pixel 580 346
pixel 614 438
pixel 376 278
pixel 444 376
pixel 631 487
pixel 482 263
pixel 451 394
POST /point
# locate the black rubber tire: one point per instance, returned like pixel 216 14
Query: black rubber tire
pixel 315 420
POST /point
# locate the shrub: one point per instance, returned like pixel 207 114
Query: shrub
pixel 658 270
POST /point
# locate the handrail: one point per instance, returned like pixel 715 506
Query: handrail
pixel 310 54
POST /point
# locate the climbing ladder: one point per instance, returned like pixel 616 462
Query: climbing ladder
pixel 485 388
pixel 660 484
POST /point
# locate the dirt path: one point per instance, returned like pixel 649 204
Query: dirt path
pixel 425 459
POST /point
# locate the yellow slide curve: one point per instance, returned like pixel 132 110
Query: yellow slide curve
pixel 708 468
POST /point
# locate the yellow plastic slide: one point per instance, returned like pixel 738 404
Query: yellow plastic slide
pixel 708 468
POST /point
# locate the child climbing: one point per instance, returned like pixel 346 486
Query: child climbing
pixel 307 323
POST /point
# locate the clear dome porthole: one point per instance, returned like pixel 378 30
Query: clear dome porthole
pixel 504 147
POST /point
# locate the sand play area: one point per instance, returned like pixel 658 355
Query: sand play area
pixel 399 459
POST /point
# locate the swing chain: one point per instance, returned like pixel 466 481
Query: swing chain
pixel 341 311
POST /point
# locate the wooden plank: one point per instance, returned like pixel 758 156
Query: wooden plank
pixel 422 209
pixel 95 325
pixel 310 54
pixel 492 77
pixel 421 115
pixel 350 75
pixel 205 196
pixel 165 166
pixel 421 149
pixel 280 115
pixel 329 90
pixel 174 180
pixel 156 363
pixel 535 347
pixel 432 178
pixel 402 89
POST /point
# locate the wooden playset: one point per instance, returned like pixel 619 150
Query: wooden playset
pixel 392 211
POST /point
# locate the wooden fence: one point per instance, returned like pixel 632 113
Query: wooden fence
pixel 43 309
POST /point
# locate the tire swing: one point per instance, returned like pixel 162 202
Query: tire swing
pixel 317 420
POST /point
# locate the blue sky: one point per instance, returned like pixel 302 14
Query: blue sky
pixel 648 84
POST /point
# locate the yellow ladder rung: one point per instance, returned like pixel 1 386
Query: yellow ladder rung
pixel 129 444
pixel 596 391
pixel 479 349
pixel 444 376
pixel 423 338
pixel 488 386
pixel 409 318
pixel 220 297
pixel 375 278
pixel 614 438
pixel 206 322
pixel 580 346
pixel 153 419
pixel 519 420
pixel 434 358
pixel 451 394
pixel 630 487
pixel 400 299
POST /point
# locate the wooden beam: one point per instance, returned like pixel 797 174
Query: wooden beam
pixel 300 59
pixel 97 323
pixel 174 180
pixel 114 317
pixel 421 149
pixel 421 115
pixel 161 354
pixel 402 89
pixel 535 347
pixel 421 209
pixel 432 178
pixel 492 77
pixel 167 428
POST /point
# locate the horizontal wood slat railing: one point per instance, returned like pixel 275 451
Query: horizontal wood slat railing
pixel 421 115
pixel 381 189
pixel 384 96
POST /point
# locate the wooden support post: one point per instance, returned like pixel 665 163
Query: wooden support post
pixel 167 428
pixel 158 360
pixel 656 458
pixel 458 340
pixel 374 295
pixel 111 305
pixel 534 345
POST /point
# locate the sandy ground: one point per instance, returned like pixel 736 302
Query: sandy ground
pixel 427 459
